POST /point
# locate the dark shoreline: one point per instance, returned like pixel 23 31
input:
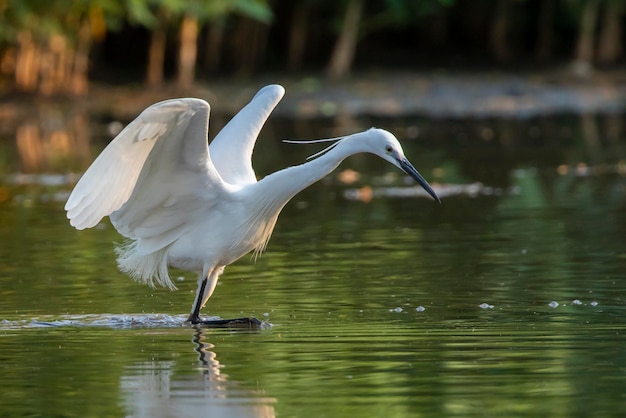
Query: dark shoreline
pixel 385 94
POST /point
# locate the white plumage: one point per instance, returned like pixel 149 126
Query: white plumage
pixel 184 204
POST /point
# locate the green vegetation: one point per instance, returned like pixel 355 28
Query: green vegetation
pixel 54 47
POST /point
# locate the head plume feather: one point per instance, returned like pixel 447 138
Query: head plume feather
pixel 335 142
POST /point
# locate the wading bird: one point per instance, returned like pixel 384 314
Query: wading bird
pixel 185 204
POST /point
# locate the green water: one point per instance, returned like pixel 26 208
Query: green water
pixel 396 307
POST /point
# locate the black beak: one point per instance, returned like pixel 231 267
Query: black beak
pixel 411 171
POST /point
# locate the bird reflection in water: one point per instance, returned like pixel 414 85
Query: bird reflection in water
pixel 160 389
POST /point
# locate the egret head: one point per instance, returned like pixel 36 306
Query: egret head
pixel 374 141
pixel 386 146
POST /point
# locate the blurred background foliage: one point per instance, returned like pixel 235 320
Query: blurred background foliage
pixel 59 47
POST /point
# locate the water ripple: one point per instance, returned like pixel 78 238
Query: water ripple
pixel 116 321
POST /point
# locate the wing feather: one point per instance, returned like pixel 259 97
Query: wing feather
pixel 232 147
pixel 154 176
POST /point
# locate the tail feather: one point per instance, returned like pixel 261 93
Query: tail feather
pixel 150 269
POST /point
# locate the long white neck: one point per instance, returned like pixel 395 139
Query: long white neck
pixel 279 187
pixel 267 197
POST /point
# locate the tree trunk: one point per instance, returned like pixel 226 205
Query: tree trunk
pixel 298 34
pixel 437 28
pixel 545 34
pixel 27 63
pixel 215 42
pixel 156 56
pixel 345 47
pixel 79 83
pixel 499 32
pixel 259 39
pixel 187 53
pixel 54 66
pixel 583 56
pixel 249 44
pixel 610 44
pixel 8 57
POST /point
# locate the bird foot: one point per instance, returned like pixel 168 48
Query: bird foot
pixel 250 323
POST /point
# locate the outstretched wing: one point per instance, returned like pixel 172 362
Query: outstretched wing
pixel 152 177
pixel 231 149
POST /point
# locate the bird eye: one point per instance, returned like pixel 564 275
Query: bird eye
pixel 388 149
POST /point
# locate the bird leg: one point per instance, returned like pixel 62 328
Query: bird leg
pixel 194 317
pixel 206 286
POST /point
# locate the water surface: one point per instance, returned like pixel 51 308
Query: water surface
pixel 505 300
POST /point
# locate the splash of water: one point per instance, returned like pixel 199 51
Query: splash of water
pixel 116 321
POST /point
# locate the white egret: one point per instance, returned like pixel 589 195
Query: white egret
pixel 185 204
